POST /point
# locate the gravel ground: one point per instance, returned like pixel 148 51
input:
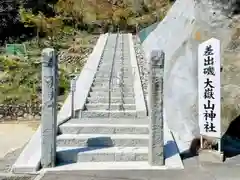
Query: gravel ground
pixel 8 160
pixel 17 177
pixel 142 64
pixel 5 166
pixel 14 136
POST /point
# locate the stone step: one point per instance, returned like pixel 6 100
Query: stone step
pixel 103 140
pixel 117 64
pixel 124 65
pixel 107 71
pixel 107 75
pixel 141 121
pixel 114 79
pixel 117 154
pixel 109 66
pixel 102 79
pixel 101 154
pixel 114 94
pixel 115 82
pixel 113 89
pixel 99 128
pixel 115 106
pixel 107 114
pixel 116 68
pixel 102 99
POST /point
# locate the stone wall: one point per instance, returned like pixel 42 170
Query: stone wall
pixel 20 112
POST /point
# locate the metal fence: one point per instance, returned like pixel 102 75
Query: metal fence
pixel 146 31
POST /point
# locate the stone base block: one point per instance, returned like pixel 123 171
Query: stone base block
pixel 210 156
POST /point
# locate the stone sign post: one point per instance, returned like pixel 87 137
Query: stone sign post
pixel 156 140
pixel 49 107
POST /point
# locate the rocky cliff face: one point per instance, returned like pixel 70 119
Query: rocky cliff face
pixel 187 24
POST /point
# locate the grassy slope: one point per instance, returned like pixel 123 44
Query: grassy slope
pixel 22 82
pixel 21 78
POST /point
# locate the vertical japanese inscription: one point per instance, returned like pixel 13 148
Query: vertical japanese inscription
pixel 49 107
pixel 209 88
pixel 156 141
pixel 209 106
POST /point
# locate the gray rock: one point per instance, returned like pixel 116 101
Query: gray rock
pixel 178 35
pixel 37 117
pixel 20 118
pixel 25 115
pixel 30 117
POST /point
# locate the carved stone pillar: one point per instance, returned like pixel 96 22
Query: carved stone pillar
pixel 156 139
pixel 49 107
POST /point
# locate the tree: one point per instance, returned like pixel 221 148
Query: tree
pixel 9 17
pixel 78 12
pixel 45 6
pixel 54 28
pixel 36 21
pixel 120 17
pixel 50 26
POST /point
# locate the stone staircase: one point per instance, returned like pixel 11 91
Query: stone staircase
pixel 108 129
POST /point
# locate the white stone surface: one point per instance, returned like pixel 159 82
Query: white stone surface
pixel 29 159
pixel 212 103
pixel 138 91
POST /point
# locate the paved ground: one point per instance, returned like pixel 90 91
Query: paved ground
pixel 193 171
pixel 14 136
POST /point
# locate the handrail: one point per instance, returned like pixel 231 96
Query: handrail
pixel 111 74
pixel 122 75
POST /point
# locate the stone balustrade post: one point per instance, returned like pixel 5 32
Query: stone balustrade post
pixel 49 107
pixel 155 93
pixel 73 89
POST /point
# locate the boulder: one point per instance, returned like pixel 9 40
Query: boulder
pixel 187 24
